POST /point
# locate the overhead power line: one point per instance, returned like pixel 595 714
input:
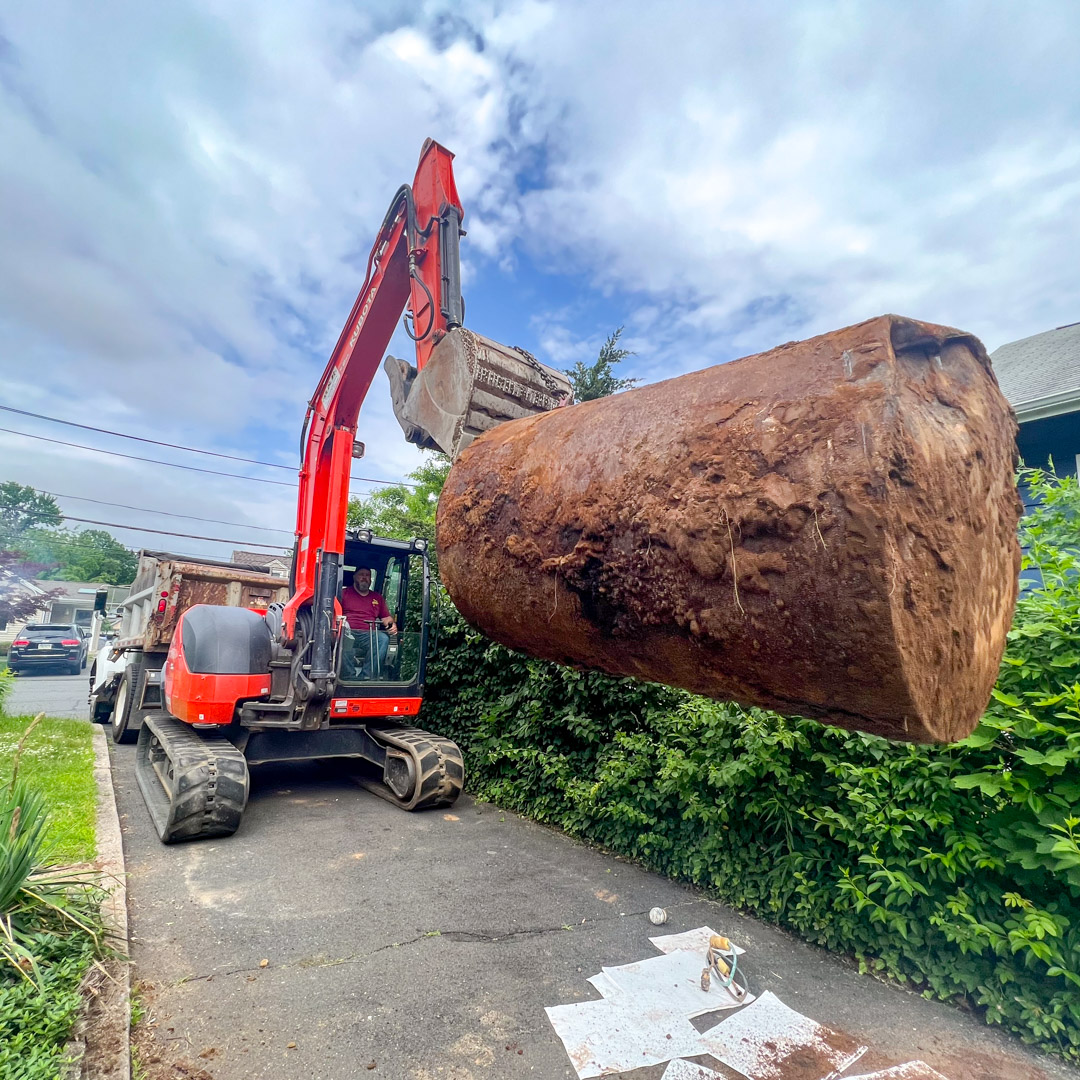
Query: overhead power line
pixel 71 546
pixel 152 461
pixel 168 532
pixel 171 446
pixel 165 513
pixel 143 439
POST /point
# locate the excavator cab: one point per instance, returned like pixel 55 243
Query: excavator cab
pixel 371 662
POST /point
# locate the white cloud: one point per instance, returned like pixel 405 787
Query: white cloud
pixel 188 194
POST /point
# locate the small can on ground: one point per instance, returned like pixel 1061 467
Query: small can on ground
pixel 658 916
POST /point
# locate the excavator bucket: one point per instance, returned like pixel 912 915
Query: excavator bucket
pixel 469 385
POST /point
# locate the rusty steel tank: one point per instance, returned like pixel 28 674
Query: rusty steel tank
pixel 827 529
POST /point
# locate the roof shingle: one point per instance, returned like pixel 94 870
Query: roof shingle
pixel 1043 366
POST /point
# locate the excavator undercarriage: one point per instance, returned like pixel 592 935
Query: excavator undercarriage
pixel 196 784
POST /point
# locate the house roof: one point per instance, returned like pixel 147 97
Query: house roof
pixel 69 590
pixel 1040 375
pixel 259 560
pixel 81 592
pixel 14 581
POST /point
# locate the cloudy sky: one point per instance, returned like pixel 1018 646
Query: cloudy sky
pixel 188 192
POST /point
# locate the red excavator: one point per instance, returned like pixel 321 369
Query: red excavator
pixel 297 682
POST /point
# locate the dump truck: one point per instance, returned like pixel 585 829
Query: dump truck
pixel 125 680
pixel 828 529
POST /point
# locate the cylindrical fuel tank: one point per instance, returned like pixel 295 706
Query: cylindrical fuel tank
pixel 827 529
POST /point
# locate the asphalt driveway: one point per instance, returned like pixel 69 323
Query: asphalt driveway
pixel 48 692
pixel 335 932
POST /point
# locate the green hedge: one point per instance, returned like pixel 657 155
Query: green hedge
pixel 954 869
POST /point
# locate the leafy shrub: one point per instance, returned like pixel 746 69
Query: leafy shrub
pixel 955 869
pixel 36 1018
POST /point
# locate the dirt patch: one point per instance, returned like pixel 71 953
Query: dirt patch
pixel 969 1065
pixel 976 1065
pixel 157 1050
pixel 102 1029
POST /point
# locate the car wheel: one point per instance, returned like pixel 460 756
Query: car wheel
pixel 124 704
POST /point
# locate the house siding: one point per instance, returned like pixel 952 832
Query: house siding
pixel 1055 439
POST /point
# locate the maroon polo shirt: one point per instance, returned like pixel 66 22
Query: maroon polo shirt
pixel 362 611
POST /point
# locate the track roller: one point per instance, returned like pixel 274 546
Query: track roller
pixel 194 785
pixel 422 771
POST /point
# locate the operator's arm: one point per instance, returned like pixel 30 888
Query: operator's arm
pixel 387 622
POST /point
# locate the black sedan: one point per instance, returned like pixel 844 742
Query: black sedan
pixel 49 644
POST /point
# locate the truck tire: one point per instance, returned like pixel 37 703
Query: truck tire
pixel 126 696
pixel 75 668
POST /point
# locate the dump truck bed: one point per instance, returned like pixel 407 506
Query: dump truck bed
pixel 182 583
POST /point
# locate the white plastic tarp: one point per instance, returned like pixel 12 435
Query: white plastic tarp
pixel 691 940
pixel 763 1040
pixel 605 984
pixel 672 980
pixel 602 1037
pixel 687 1070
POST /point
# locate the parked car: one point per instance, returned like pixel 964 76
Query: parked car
pixel 42 645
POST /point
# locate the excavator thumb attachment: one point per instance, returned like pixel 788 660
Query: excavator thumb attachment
pixel 469 385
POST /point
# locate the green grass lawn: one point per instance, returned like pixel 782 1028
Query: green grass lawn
pixel 59 760
pixel 37 1014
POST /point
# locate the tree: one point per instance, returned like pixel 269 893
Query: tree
pixel 598 379
pixel 90 555
pixel 22 508
pixel 17 602
pixel 401 511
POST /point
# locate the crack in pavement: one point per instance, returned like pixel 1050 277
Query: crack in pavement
pixel 450 935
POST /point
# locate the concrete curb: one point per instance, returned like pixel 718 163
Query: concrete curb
pixel 111 1038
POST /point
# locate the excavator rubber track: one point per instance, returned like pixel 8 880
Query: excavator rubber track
pixel 195 785
pixel 422 771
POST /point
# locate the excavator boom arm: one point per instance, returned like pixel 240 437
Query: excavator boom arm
pixel 413 265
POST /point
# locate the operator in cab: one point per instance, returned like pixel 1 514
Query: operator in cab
pixel 371 624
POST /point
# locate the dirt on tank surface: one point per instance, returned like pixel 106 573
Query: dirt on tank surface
pixel 827 529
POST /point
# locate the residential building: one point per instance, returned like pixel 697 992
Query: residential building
pixel 277 565
pixel 1040 378
pixel 75 602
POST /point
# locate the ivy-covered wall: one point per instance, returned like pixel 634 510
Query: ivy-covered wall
pixel 956 869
